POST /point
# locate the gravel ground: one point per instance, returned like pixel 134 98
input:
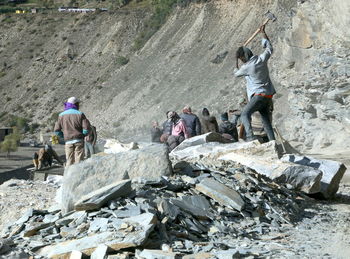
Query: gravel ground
pixel 17 196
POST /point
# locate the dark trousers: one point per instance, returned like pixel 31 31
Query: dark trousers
pixel 174 141
pixel 263 105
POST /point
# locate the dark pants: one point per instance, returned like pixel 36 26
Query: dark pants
pixel 263 105
pixel 89 149
pixel 174 141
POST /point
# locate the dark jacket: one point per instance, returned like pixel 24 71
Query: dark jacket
pixel 73 124
pixel 209 124
pixel 92 135
pixel 167 127
pixel 228 128
pixel 155 134
pixel 192 123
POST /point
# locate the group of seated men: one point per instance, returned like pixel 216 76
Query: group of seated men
pixel 177 127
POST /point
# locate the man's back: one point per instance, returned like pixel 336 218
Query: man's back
pixel 256 72
pixel 72 123
pixel 192 123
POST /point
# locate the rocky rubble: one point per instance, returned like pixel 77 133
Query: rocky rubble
pixel 183 214
pixel 204 206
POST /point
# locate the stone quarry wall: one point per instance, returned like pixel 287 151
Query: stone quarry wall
pixel 51 57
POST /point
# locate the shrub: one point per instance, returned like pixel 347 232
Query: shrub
pixel 33 127
pixel 19 122
pixel 8 145
pixel 11 142
pixel 122 60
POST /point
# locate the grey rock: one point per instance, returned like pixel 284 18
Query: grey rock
pixel 66 219
pixel 264 159
pixel 67 232
pixel 219 58
pixel 302 178
pixel 196 205
pixel 25 217
pixel 49 218
pixel 221 193
pixel 128 211
pixel 333 171
pixel 33 227
pixel 100 197
pixel 97 172
pixel 157 254
pixel 199 140
pixel 168 209
pixel 113 240
pixel 100 252
pixel 98 224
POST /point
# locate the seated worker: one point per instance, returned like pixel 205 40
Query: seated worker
pixel 209 123
pixel 179 131
pixel 167 128
pixel 192 121
pixel 156 132
pixel 44 157
pixel 227 128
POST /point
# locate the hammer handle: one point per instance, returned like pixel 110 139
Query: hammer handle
pixel 255 33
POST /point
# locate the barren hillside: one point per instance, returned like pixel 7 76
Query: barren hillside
pixel 45 58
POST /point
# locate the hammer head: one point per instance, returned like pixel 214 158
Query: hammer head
pixel 270 16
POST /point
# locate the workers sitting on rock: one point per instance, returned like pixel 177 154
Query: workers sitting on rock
pixel 208 123
pixel 192 121
pixel 44 157
pixel 167 128
pixel 227 128
pixel 179 131
pixel 73 126
pixel 260 89
pixel 156 132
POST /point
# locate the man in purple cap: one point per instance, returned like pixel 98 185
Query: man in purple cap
pixel 73 126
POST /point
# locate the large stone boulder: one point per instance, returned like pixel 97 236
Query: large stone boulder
pixel 332 171
pixel 202 139
pixel 113 146
pixel 263 158
pixel 94 173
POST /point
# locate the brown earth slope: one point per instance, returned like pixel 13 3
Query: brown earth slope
pixel 46 58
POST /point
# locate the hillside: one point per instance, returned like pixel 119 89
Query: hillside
pixel 46 58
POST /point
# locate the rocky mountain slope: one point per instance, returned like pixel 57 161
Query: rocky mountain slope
pixel 45 58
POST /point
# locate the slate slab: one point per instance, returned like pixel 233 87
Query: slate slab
pixel 221 193
pixel 332 171
pixel 100 197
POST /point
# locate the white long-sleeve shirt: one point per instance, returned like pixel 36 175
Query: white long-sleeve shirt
pixel 256 72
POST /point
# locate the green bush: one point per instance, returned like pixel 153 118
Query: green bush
pixel 19 122
pixel 122 60
pixel 11 142
pixel 33 127
pixel 161 11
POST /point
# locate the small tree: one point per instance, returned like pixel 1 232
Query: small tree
pixel 10 144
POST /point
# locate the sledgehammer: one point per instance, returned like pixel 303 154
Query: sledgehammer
pixel 270 16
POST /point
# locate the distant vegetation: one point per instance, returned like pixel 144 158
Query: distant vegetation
pixel 122 60
pixel 11 142
pixel 161 10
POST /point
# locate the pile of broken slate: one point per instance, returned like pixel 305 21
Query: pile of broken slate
pixel 188 206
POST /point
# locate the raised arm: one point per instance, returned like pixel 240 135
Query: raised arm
pixel 266 44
